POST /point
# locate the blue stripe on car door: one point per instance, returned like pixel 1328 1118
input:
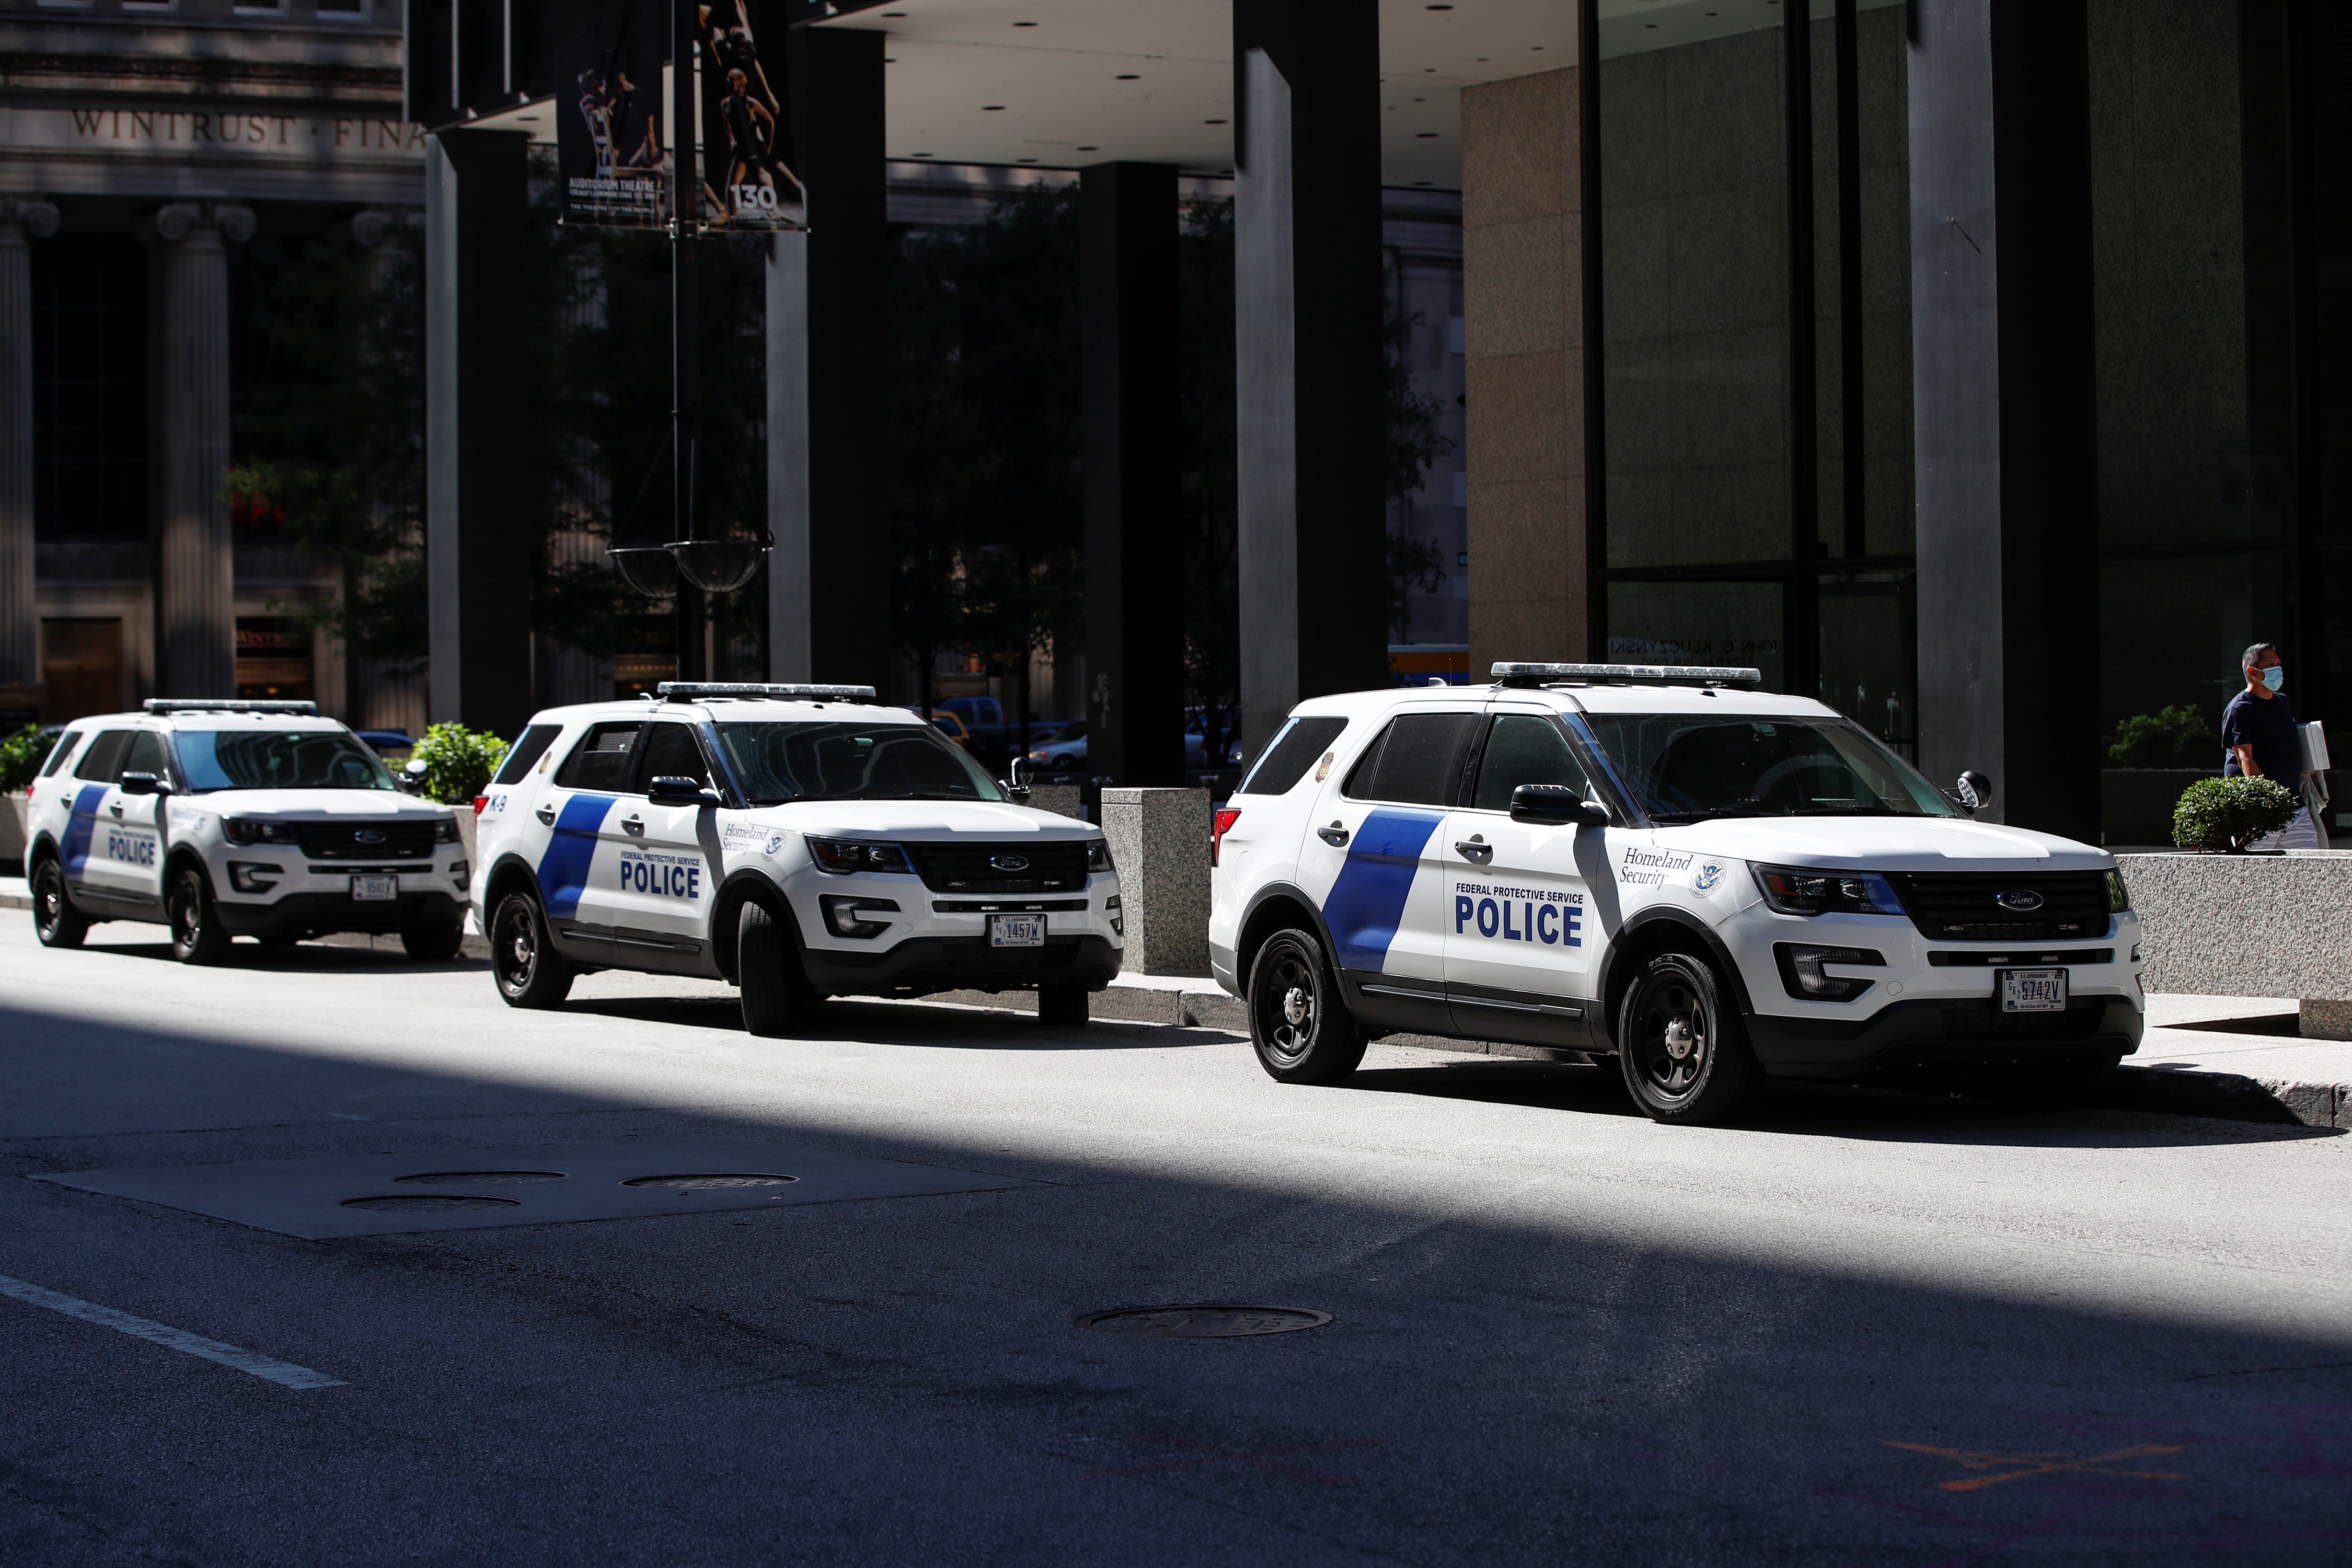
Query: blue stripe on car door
pixel 571 853
pixel 1366 903
pixel 78 828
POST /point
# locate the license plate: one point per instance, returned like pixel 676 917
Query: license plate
pixel 375 887
pixel 1016 930
pixel 2032 990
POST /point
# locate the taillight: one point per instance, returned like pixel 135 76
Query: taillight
pixel 481 801
pixel 1218 828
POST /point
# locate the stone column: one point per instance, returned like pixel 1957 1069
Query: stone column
pixel 20 628
pixel 195 615
pixel 1160 842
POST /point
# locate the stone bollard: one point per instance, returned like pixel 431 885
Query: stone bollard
pixel 1062 800
pixel 1160 842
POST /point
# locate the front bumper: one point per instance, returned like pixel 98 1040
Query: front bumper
pixel 1921 1034
pixel 927 963
pixel 324 912
pixel 940 942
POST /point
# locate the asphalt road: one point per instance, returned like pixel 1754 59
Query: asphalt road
pixel 1865 1329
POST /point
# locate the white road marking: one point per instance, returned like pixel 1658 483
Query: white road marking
pixel 282 1372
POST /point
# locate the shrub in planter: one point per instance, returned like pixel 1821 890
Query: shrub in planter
pixel 458 762
pixel 2229 814
pixel 2176 737
pixel 21 755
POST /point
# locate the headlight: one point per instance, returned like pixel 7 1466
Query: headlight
pixel 246 830
pixel 843 856
pixel 1803 977
pixel 1099 854
pixel 445 831
pixel 848 916
pixel 253 876
pixel 1793 890
pixel 2118 901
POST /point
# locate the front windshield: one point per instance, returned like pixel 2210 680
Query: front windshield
pixel 277 759
pixel 776 762
pixel 1685 767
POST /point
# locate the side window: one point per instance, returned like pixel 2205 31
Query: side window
pixel 102 764
pixel 1417 760
pixel 66 743
pixel 1524 749
pixel 526 753
pixel 147 756
pixel 1298 748
pixel 669 750
pixel 603 760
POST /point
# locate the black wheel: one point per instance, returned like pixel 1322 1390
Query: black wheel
pixel 1061 1004
pixel 768 973
pixel 2061 1085
pixel 197 934
pixel 529 972
pixel 1302 1031
pixel 433 942
pixel 55 920
pixel 1685 1058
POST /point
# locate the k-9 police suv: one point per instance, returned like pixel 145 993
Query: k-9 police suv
pixel 798 841
pixel 223 819
pixel 1712 884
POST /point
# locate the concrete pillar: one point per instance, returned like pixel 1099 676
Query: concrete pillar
pixel 1523 308
pixel 2004 400
pixel 840 580
pixel 1134 554
pixel 1308 310
pixel 195 568
pixel 1160 842
pixel 478 563
pixel 20 628
pixel 790 655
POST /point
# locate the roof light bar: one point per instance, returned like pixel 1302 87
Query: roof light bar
pixel 1629 674
pixel 695 691
pixel 241 705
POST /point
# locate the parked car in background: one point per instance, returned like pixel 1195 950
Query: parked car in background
pixel 1065 750
pixel 952 728
pixel 1196 739
pixel 392 745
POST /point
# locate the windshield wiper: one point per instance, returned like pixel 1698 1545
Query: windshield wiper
pixel 1688 816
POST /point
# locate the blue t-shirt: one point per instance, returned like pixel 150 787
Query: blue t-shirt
pixel 2269 729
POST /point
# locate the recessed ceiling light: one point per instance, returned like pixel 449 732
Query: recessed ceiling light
pixel 991 109
pixel 920 154
pixel 1131 79
pixel 1425 135
pixel 1089 149
pixel 889 61
pixel 894 13
pixel 1421 182
pixel 1024 160
pixel 1437 8
pixel 1213 122
pixel 1025 24
pixel 1421 100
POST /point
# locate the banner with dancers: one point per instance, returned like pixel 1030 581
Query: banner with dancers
pixel 747 179
pixel 609 135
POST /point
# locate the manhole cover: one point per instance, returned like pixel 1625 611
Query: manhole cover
pixel 707 1183
pixel 430 1203
pixel 1208 1322
pixel 477 1178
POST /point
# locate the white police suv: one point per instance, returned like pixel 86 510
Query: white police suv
pixel 797 841
pixel 1712 885
pixel 223 819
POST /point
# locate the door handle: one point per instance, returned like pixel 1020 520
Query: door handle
pixel 66 801
pixel 546 814
pixel 1478 848
pixel 633 825
pixel 116 808
pixel 1334 835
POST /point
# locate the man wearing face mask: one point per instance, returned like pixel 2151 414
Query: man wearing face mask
pixel 2258 728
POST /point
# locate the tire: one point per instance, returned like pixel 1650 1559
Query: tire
pixel 433 942
pixel 1685 1059
pixel 2064 1085
pixel 528 971
pixel 197 934
pixel 768 974
pixel 1062 1005
pixel 55 920
pixel 1299 1026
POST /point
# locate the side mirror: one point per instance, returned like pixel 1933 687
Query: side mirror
pixel 1975 791
pixel 411 777
pixel 1018 775
pixel 1555 806
pixel 142 783
pixel 671 790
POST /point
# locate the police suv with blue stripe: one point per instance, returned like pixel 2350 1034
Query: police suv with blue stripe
pixel 1711 884
pixel 796 841
pixel 225 819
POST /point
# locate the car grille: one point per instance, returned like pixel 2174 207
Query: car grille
pixel 387 841
pixel 1960 906
pixel 1054 866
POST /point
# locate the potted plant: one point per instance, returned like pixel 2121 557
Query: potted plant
pixel 2227 815
pixel 21 755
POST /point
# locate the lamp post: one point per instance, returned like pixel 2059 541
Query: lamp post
pixel 689 566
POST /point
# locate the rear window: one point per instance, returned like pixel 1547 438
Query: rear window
pixel 1298 748
pixel 1417 760
pixel 103 762
pixel 526 752
pixel 605 761
pixel 66 743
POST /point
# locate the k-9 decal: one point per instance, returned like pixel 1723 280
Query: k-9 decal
pixel 1538 915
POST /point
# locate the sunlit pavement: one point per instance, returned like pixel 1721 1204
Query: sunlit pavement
pixel 1863 1329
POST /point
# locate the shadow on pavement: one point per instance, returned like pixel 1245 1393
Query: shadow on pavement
pixel 303 958
pixel 907 1023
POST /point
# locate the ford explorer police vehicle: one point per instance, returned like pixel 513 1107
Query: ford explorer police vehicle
pixel 796 841
pixel 223 819
pixel 1712 885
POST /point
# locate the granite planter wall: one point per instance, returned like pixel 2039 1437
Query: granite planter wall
pixel 1160 842
pixel 13 834
pixel 2249 925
